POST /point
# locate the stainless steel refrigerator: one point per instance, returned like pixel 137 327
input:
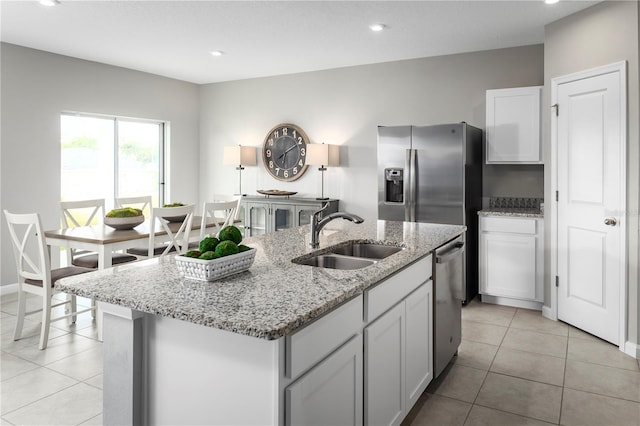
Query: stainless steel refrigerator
pixel 434 174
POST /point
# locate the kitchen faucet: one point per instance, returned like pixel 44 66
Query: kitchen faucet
pixel 317 224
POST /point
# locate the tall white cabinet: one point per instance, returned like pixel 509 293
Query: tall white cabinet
pixel 513 126
pixel 512 261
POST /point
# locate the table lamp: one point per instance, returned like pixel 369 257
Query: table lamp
pixel 240 156
pixel 323 155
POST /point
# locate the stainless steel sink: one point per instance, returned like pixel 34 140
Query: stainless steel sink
pixel 366 250
pixel 333 261
pixel 353 255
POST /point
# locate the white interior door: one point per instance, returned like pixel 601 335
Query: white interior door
pixel 591 146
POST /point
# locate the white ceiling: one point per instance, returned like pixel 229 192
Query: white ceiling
pixel 265 38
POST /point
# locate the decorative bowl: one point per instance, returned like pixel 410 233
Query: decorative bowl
pixel 123 222
pixel 215 269
pixel 174 219
pixel 276 192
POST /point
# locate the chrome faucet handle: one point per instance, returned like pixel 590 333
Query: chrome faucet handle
pixel 316 214
pixel 323 207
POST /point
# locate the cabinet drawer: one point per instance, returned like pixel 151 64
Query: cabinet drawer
pixel 395 288
pixel 508 224
pixel 308 346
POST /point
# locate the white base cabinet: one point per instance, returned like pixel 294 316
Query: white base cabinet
pixel 419 350
pixel 385 368
pixel 331 393
pixel 512 261
pixel 398 345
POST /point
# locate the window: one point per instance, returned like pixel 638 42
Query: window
pixel 108 157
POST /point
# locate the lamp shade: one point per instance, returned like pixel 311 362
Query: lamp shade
pixel 323 154
pixel 240 156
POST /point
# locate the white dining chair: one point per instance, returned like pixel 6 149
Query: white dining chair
pixel 35 275
pixel 218 213
pixel 224 197
pixel 178 239
pixel 221 214
pixel 85 213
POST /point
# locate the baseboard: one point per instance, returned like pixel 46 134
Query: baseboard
pixel 8 289
pixel 547 312
pixel 508 301
pixel 632 349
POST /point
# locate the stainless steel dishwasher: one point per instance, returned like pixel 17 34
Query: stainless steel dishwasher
pixel 448 275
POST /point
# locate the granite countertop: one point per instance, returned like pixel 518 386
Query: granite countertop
pixel 275 296
pixel 511 211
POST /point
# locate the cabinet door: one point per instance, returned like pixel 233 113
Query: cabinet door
pixel 513 125
pixel 331 393
pixel 508 265
pixel 419 331
pixel 256 219
pixel 283 216
pixel 384 366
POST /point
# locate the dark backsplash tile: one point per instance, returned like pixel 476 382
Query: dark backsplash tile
pixel 515 203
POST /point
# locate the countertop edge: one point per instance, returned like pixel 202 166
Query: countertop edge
pixel 511 212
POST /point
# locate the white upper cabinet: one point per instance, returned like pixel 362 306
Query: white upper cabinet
pixel 514 126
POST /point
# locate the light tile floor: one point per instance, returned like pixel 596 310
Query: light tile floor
pixel 514 367
pixel 61 385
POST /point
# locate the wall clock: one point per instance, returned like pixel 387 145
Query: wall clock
pixel 284 152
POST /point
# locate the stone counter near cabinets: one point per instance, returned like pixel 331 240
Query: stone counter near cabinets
pixel 275 296
pixel 514 212
pixel 514 207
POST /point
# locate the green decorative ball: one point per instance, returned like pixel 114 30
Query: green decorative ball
pixel 226 248
pixel 193 253
pixel 208 255
pixel 230 233
pixel 208 244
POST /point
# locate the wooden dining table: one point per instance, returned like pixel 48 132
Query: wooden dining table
pixel 105 240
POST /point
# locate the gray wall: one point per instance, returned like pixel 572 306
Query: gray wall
pixel 344 106
pixel 37 86
pixel 600 35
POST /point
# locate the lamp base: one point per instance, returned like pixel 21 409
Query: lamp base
pixel 322 198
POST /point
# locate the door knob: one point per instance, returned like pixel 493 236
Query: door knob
pixel 611 221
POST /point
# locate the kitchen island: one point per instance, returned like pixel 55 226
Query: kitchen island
pixel 239 350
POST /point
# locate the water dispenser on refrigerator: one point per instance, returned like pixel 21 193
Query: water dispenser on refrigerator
pixel 394 185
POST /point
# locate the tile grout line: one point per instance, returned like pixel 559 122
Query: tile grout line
pixel 41 398
pixel 506 375
pixel 488 370
pixel 564 379
pixel 45 365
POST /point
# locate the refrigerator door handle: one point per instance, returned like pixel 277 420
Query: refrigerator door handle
pixel 408 191
pixel 412 184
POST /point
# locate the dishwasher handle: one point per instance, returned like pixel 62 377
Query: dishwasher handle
pixel 458 249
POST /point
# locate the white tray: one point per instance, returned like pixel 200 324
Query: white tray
pixel 211 270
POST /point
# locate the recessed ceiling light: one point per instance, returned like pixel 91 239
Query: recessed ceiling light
pixel 49 3
pixel 551 1
pixel 377 27
pixel 217 53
